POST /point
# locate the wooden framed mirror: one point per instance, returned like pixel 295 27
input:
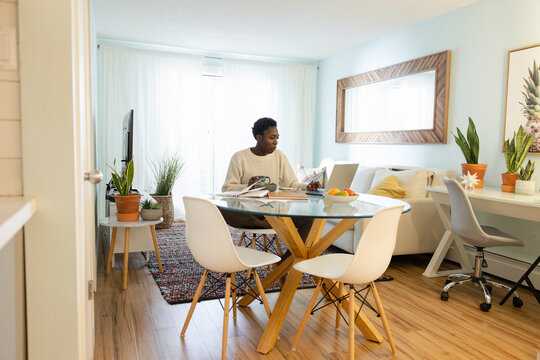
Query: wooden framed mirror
pixel 402 103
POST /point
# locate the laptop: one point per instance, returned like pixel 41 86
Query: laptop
pixel 341 177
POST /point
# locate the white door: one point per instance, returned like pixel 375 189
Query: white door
pixel 85 158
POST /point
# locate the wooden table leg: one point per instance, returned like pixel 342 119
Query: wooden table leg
pixel 111 250
pixel 126 258
pixel 153 230
pixel 271 332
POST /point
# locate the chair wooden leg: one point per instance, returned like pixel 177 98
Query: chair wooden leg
pixel 194 302
pixel 339 306
pixel 278 245
pixel 352 324
pixel 153 230
pixel 306 315
pixel 226 318
pixel 126 258
pixel 383 317
pixel 262 293
pixel 242 238
pixel 233 284
pixel 111 250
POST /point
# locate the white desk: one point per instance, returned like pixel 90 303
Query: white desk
pixel 488 199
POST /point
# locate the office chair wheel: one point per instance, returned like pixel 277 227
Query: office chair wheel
pixel 517 302
pixel 444 296
pixel 485 306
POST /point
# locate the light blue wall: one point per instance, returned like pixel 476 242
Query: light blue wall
pixel 479 36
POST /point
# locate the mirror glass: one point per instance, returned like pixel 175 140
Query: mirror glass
pixel 402 103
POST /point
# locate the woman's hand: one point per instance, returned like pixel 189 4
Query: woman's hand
pixel 314 185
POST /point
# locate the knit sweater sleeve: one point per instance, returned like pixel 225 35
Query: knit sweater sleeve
pixel 234 175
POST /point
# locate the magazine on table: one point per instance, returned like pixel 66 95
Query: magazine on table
pixel 248 192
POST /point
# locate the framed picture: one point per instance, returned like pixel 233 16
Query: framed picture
pixel 523 94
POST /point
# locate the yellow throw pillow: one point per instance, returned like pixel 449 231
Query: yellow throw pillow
pixel 388 187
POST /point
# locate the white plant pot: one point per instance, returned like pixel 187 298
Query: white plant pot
pixel 525 187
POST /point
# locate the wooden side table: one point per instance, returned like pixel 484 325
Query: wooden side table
pixel 127 225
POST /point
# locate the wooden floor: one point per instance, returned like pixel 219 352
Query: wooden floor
pixel 138 324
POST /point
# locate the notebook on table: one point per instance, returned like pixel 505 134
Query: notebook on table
pixel 341 177
pixel 287 195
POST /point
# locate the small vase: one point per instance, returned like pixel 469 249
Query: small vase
pixel 151 214
pixel 525 187
pixel 509 182
pixel 127 207
pixel 478 169
pixel 167 206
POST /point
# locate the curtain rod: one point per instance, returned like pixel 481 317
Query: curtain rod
pixel 175 49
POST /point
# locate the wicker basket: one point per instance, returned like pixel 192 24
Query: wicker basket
pixel 166 203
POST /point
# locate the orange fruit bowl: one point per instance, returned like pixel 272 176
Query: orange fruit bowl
pixel 341 199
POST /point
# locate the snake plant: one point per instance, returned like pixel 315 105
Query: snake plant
pixel 516 149
pixel 123 181
pixel 526 172
pixel 470 146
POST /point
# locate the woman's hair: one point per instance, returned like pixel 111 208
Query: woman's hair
pixel 262 124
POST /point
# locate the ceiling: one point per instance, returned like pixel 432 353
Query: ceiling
pixel 291 29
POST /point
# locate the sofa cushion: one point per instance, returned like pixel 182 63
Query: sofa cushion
pixel 388 187
pixel 411 180
pixel 307 175
pixel 364 178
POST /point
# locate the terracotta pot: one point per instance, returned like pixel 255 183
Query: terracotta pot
pixel 509 182
pixel 166 203
pixel 127 207
pixel 478 169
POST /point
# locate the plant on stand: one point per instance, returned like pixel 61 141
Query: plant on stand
pixel 151 210
pixel 470 147
pixel 166 171
pixel 525 185
pixel 515 151
pixel 127 203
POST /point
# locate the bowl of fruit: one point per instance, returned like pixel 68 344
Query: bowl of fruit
pixel 341 196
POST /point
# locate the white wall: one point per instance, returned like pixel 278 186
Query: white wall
pixel 479 37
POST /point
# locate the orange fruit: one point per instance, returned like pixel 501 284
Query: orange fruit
pixel 351 192
pixel 333 191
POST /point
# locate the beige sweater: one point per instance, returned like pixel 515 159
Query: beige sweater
pixel 244 165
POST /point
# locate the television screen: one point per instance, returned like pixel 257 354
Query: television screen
pixel 127 137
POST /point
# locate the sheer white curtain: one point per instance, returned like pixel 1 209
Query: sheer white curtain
pixel 205 120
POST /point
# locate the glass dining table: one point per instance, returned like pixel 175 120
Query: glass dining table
pixel 280 214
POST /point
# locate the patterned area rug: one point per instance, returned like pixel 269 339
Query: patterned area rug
pixel 182 274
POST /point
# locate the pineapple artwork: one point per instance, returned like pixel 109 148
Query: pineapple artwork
pixel 523 94
pixel 531 105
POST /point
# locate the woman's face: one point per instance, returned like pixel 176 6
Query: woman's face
pixel 269 139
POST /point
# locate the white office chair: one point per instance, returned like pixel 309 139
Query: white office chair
pixel 210 243
pixel 370 260
pixel 466 226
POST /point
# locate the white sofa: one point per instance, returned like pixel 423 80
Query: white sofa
pixel 421 229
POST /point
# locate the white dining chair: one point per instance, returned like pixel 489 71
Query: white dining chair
pixel 210 243
pixel 466 226
pixel 370 260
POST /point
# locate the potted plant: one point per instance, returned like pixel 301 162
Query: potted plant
pixel 151 210
pixel 470 147
pixel 127 203
pixel 166 171
pixel 515 151
pixel 525 185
